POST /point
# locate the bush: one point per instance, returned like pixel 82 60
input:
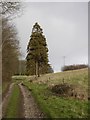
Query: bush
pixel 74 67
pixel 61 89
pixel 69 90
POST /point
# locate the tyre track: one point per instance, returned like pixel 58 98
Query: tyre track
pixel 31 109
pixel 6 100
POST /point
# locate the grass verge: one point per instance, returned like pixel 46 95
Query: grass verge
pixel 13 105
pixel 57 107
pixel 54 106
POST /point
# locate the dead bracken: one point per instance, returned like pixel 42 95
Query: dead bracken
pixel 69 90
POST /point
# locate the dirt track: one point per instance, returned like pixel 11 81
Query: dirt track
pixel 6 100
pixel 30 107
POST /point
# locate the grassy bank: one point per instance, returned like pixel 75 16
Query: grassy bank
pixel 54 106
pixel 14 103
pixel 57 107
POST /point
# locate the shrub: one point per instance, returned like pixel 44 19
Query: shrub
pixel 74 67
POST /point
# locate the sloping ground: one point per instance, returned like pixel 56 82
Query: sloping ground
pixel 79 77
pixel 57 106
pixel 76 78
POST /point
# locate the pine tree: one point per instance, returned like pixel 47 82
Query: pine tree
pixel 37 53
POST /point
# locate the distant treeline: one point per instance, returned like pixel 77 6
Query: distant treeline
pixel 21 69
pixel 74 67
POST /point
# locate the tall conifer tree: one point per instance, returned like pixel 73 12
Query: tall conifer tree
pixel 37 53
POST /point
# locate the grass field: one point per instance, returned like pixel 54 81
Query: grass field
pixel 54 106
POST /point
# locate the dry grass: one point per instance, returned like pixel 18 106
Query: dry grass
pixel 78 78
pixel 54 106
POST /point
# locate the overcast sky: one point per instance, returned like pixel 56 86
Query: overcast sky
pixel 65 26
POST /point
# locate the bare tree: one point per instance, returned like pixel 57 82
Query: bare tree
pixel 10 49
pixel 10 44
pixel 7 8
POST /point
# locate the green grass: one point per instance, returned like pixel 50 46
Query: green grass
pixel 54 106
pixel 57 107
pixel 13 105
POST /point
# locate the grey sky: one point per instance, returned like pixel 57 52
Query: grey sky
pixel 65 26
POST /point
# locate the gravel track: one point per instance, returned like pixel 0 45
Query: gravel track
pixel 30 107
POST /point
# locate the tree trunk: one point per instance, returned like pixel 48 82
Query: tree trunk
pixel 36 68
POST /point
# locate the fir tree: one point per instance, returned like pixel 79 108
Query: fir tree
pixel 37 53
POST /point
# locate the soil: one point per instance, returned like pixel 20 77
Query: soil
pixel 27 107
pixel 21 106
pixel 30 107
pixel 6 99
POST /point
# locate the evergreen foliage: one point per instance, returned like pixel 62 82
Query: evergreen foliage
pixel 37 53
